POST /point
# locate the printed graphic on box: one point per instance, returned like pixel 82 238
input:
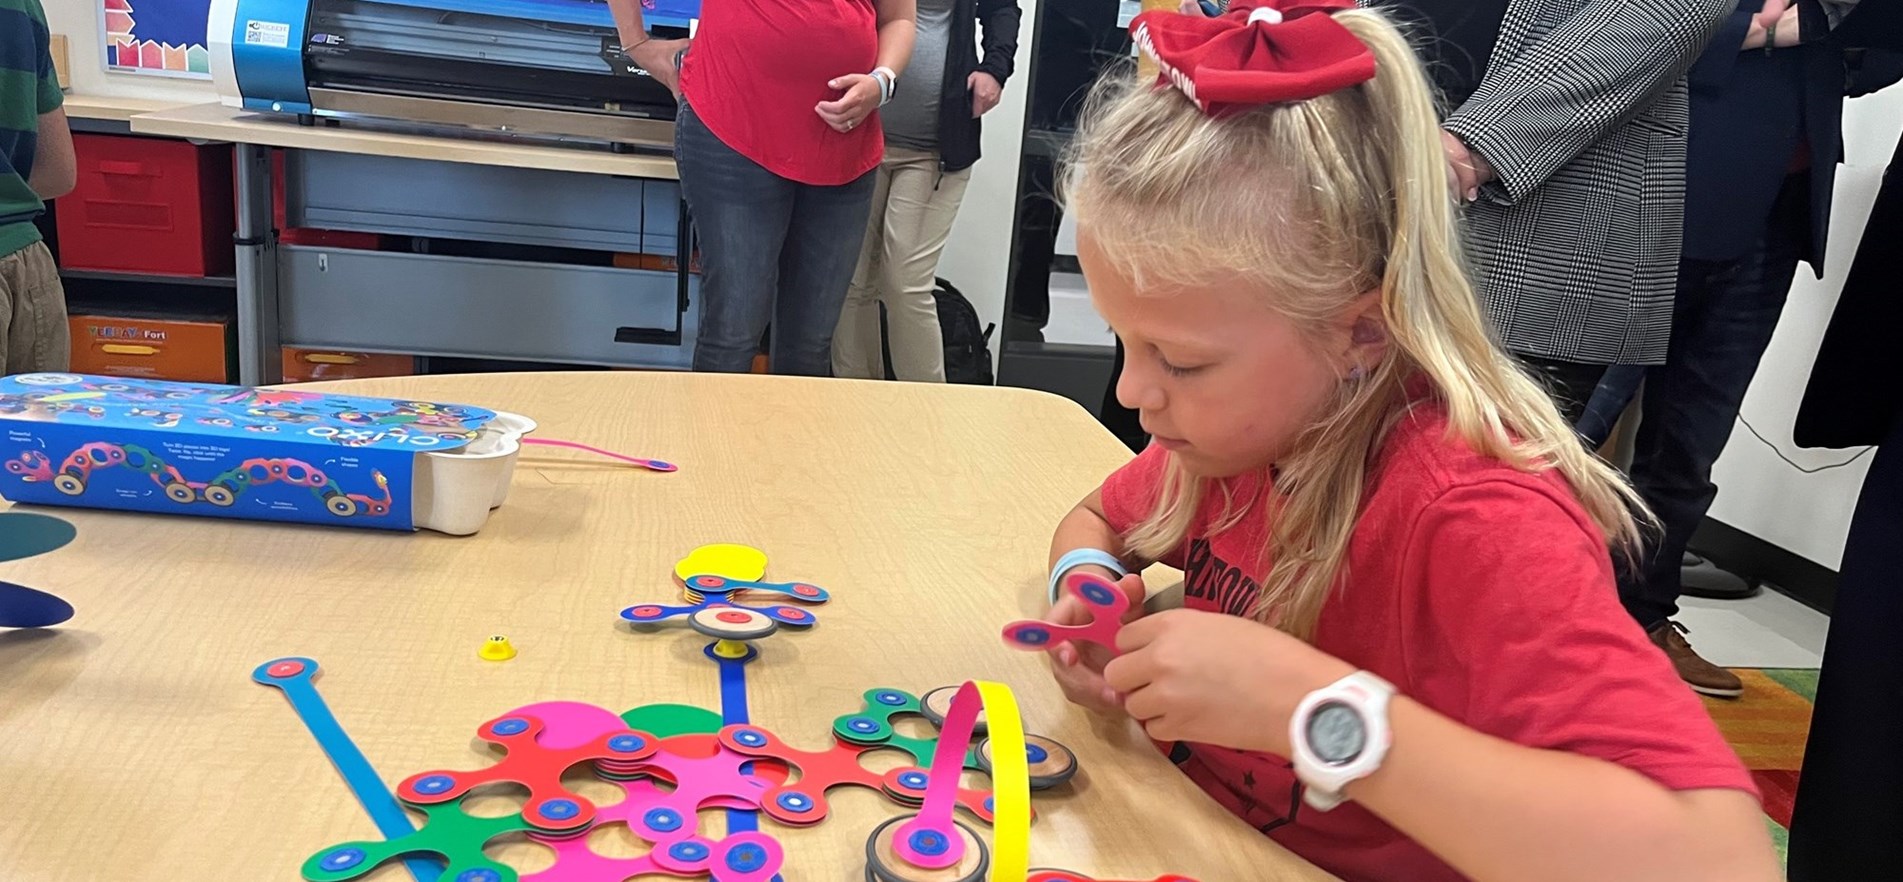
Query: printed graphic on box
pixel 220 451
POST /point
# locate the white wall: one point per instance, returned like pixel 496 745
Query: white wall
pixel 1758 493
pixel 978 255
pixel 79 21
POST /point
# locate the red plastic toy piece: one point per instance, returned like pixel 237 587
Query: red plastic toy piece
pixel 1106 603
pixel 551 806
pixel 803 802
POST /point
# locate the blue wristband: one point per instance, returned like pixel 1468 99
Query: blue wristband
pixel 1078 557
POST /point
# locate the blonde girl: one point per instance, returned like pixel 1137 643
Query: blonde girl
pixel 1400 651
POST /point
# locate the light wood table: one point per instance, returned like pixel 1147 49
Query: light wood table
pixel 136 747
pixel 216 122
pixel 109 108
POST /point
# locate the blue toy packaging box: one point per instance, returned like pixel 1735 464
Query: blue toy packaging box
pixel 223 451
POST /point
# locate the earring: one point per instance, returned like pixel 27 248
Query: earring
pixel 1357 373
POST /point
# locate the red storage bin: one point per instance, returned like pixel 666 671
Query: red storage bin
pixel 148 205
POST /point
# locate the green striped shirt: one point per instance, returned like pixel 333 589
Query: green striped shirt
pixel 27 89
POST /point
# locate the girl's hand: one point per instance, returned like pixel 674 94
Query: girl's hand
pixel 1218 679
pixel 1078 668
pixel 861 98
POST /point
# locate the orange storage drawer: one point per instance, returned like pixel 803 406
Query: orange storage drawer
pixel 148 205
pixel 195 349
pixel 306 365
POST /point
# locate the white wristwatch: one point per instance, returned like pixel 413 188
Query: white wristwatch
pixel 1340 734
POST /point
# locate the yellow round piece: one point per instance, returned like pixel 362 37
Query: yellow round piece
pixel 741 562
pixel 497 648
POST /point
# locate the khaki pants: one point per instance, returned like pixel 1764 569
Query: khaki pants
pixel 33 332
pixel 913 206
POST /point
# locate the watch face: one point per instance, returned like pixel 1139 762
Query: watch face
pixel 1336 733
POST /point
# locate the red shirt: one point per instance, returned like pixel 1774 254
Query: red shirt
pixel 757 69
pixel 1481 591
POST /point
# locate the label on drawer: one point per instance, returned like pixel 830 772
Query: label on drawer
pixel 275 34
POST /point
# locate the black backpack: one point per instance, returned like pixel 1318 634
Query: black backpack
pixel 967 343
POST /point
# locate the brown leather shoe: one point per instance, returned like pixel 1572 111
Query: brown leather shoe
pixel 1701 675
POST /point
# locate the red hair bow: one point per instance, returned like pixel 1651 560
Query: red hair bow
pixel 1255 54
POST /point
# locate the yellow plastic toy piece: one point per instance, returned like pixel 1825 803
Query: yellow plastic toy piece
pixel 497 648
pixel 740 562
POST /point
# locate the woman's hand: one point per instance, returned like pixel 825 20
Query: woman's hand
pixel 1467 171
pixel 986 92
pixel 1781 15
pixel 1078 668
pixel 657 58
pixel 861 98
pixel 1218 679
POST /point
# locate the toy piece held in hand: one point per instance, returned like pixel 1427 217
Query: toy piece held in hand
pixel 23 607
pixel 259 454
pixel 1106 604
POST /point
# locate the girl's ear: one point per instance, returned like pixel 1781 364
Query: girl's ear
pixel 1367 326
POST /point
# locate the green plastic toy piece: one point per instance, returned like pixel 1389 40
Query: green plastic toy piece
pixel 665 721
pixel 872 727
pixel 447 833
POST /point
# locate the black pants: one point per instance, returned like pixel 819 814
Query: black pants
pixel 1571 383
pixel 1850 794
pixel 1722 319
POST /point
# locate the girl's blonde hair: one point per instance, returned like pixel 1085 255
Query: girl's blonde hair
pixel 1317 202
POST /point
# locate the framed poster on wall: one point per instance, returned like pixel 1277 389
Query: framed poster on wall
pixel 156 37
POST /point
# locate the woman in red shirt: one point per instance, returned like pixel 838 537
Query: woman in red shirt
pixel 776 142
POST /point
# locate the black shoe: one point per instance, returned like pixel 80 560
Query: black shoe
pixel 1699 577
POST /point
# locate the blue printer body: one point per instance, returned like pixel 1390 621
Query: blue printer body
pixel 536 68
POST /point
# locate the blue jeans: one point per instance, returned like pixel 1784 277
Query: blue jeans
pixel 772 251
pixel 1722 319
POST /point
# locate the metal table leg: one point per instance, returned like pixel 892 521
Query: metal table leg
pixel 257 270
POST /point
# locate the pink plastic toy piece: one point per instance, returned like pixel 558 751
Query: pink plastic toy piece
pixel 652 464
pixel 1107 604
pixel 699 782
pixel 570 724
pixel 930 840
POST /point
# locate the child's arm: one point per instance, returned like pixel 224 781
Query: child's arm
pixel 55 169
pixel 1079 670
pixel 1538 735
pixel 1086 527
pixel 1496 810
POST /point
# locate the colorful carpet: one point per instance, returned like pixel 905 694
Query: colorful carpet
pixel 1768 727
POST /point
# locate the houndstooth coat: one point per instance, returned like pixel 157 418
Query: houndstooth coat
pixel 1583 113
